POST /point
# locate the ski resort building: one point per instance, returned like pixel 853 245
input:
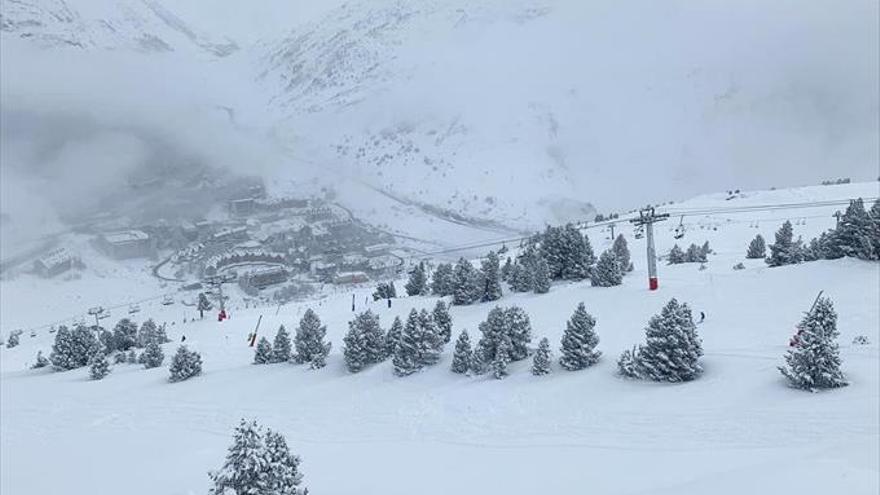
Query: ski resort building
pixel 127 244
pixel 55 263
pixel 260 279
pixel 351 278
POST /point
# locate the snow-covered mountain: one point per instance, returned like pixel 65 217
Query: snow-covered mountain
pixel 138 25
pixel 520 111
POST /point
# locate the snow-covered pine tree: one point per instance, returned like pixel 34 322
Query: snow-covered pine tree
pixel 308 340
pixel 694 254
pixel 607 272
pixel 105 338
pixel 285 477
pixel 461 357
pixel 99 367
pixel 385 290
pixel 521 277
pixel 491 277
pixel 443 280
pixel 125 334
pixel 507 269
pixel 540 281
pixel 246 470
pixel 417 284
pixel 785 251
pixel 757 248
pixel 676 255
pixel 673 348
pixel 354 349
pixel 392 338
pixel 152 356
pixel 281 346
pixel 373 336
pixel 854 235
pixel 148 332
pixel 814 361
pixel 131 357
pixel 554 250
pixel 626 365
pixel 204 304
pixel 185 364
pixel 874 213
pixel 579 341
pixel 432 342
pixel 13 341
pixel 41 361
pixel 73 348
pixel 501 359
pixel 576 258
pixel 621 250
pixel 705 251
pixel 161 336
pixel 263 352
pixel 479 364
pixel 541 361
pixel 406 359
pixel 467 286
pixel 511 324
pixel 443 321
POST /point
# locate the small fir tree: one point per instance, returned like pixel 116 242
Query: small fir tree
pixel 392 338
pixel 813 362
pixel 185 364
pixel 785 251
pixel 672 350
pixel 263 352
pixel 607 272
pixel 541 280
pixel 443 321
pixel 309 340
pixel 281 346
pixel 204 304
pixel 125 334
pixel 579 341
pixel 417 285
pixel 621 250
pixel 501 360
pixel 41 361
pixel 467 283
pixel 443 280
pixel 757 248
pixel 541 361
pixel 491 276
pixel 99 367
pixel 676 255
pixel 152 356
pixel 461 357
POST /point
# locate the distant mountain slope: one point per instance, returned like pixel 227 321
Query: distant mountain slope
pixel 140 25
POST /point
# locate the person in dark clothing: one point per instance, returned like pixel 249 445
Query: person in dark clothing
pixel 702 317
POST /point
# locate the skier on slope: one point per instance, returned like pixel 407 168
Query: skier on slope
pixel 702 317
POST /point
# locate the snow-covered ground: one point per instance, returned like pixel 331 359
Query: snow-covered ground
pixel 738 429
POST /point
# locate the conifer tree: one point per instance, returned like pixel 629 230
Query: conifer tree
pixel 607 272
pixel 443 321
pixel 676 255
pixel 417 285
pixel 705 251
pixel 204 304
pixel 541 361
pixel 467 283
pixel 443 280
pixel 577 254
pixel 672 351
pixel 813 362
pixel 406 359
pixel 479 364
pixel 785 251
pixel 501 359
pixel 285 477
pixel 461 357
pixel 874 213
pixel 125 334
pixel 309 340
pixel 695 254
pixel 854 235
pixel 540 282
pixel 373 337
pixel 98 365
pixel 149 332
pixel 522 279
pixel 392 338
pixel 263 353
pixel 354 349
pixel 131 357
pixel 281 347
pixel 621 250
pixel 491 277
pixel 757 248
pixel 152 356
pixel 552 249
pixel 507 269
pixel 511 324
pixel 185 364
pixel 432 342
pixel 73 348
pixel 579 341
pixel 13 341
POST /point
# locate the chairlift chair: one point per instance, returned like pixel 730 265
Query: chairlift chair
pixel 133 308
pixel 679 230
pixel 104 314
pixel 167 300
pixel 639 232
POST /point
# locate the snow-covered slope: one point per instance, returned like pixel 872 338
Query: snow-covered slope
pixel 738 429
pixel 138 25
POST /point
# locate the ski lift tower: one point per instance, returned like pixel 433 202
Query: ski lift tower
pixel 97 312
pixel 647 218
pixel 217 281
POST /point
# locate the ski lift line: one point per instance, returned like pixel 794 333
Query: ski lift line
pixel 770 207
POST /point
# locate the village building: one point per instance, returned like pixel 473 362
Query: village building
pixel 127 244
